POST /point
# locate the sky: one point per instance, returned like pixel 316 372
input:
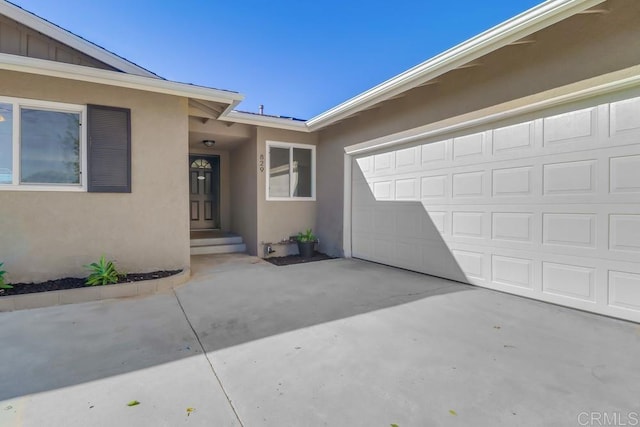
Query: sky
pixel 297 58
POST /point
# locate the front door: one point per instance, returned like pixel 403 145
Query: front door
pixel 204 190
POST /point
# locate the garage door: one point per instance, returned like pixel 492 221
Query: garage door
pixel 546 208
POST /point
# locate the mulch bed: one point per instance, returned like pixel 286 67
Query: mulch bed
pixel 75 282
pixel 297 259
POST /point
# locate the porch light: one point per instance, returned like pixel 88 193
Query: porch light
pixel 208 142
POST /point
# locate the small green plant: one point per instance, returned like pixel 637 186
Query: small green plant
pixel 307 236
pixel 3 285
pixel 103 272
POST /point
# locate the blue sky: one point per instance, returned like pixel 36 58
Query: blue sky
pixel 298 58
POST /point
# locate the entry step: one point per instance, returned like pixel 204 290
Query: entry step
pixel 213 242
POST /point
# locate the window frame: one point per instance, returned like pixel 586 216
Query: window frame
pixel 17 105
pixel 290 146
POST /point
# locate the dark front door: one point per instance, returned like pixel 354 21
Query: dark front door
pixel 204 189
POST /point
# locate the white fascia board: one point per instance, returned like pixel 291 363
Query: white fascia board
pixel 63 36
pixel 63 70
pixel 265 121
pixel 535 19
pixel 601 85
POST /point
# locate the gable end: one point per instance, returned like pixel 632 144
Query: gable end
pixel 18 39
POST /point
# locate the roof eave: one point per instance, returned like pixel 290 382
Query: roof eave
pixel 516 28
pixel 266 121
pixel 114 78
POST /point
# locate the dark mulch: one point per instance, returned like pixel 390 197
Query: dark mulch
pixel 297 259
pixel 75 282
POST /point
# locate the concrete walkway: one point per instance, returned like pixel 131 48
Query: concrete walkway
pixel 340 342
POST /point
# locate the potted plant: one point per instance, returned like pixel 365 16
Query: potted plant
pixel 306 243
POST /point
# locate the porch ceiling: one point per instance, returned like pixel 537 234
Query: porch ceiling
pixel 226 135
pixel 223 142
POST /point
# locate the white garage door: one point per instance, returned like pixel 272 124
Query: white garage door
pixel 547 208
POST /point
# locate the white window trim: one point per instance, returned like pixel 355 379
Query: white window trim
pixel 18 104
pixel 290 145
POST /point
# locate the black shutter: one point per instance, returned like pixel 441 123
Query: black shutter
pixel 109 149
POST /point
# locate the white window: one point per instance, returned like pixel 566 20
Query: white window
pixel 42 145
pixel 291 171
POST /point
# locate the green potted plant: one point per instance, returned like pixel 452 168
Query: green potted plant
pixel 3 285
pixel 306 243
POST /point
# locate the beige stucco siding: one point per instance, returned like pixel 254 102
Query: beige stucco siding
pixel 244 215
pixel 281 219
pixel 45 235
pixel 573 50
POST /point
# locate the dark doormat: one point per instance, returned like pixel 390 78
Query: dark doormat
pixel 297 259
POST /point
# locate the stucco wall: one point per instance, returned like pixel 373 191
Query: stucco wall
pixel 281 219
pixel 244 214
pixel 46 235
pixel 576 49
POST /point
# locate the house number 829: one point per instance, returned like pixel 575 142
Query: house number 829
pixel 261 162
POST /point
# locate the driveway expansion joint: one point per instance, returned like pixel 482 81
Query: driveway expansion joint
pixel 204 352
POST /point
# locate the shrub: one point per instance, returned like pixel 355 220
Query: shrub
pixel 3 285
pixel 103 272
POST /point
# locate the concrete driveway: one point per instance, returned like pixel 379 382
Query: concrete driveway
pixel 337 343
